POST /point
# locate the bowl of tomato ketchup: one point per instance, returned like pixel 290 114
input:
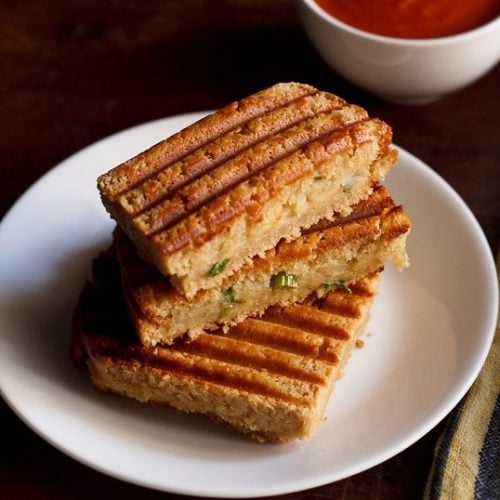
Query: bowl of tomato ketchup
pixel 406 51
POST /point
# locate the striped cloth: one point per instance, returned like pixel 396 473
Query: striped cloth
pixel 467 456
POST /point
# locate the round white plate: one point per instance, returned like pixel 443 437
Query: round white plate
pixel 431 329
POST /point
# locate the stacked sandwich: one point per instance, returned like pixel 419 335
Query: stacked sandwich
pixel 246 257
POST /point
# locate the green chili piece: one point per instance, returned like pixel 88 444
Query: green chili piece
pixel 284 280
pixel 218 267
pixel 230 301
pixel 225 311
pixel 230 295
pixel 340 284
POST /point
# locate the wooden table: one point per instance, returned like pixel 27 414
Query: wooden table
pixel 74 72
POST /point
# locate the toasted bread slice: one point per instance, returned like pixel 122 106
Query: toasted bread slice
pixel 269 377
pixel 334 252
pixel 230 186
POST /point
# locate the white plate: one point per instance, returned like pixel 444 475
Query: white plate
pixel 431 329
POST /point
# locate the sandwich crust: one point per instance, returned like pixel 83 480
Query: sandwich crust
pixel 269 377
pixel 340 250
pixel 137 169
pixel 233 184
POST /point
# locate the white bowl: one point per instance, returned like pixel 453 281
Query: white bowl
pixel 402 70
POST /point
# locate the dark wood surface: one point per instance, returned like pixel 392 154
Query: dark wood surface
pixel 72 72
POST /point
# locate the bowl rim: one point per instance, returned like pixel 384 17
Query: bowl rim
pixel 422 42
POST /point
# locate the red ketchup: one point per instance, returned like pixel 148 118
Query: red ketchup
pixel 413 18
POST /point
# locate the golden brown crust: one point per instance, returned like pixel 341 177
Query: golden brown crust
pixel 342 248
pixel 178 226
pixel 179 203
pixel 269 377
pixel 182 200
pixel 173 177
pixel 327 234
pixel 135 170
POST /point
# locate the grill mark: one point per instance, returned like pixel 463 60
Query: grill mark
pixel 344 310
pixel 116 350
pixel 358 290
pixel 322 240
pixel 359 230
pixel 306 318
pixel 137 314
pixel 212 126
pixel 205 347
pixel 374 205
pixel 396 231
pixel 396 223
pixel 281 337
pixel 347 303
pixel 216 375
pixel 214 217
pixel 248 164
pixel 141 274
pixel 397 209
pixel 154 189
pixel 137 268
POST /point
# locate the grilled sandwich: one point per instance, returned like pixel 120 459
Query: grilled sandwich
pixel 333 253
pixel 201 203
pixel 269 377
